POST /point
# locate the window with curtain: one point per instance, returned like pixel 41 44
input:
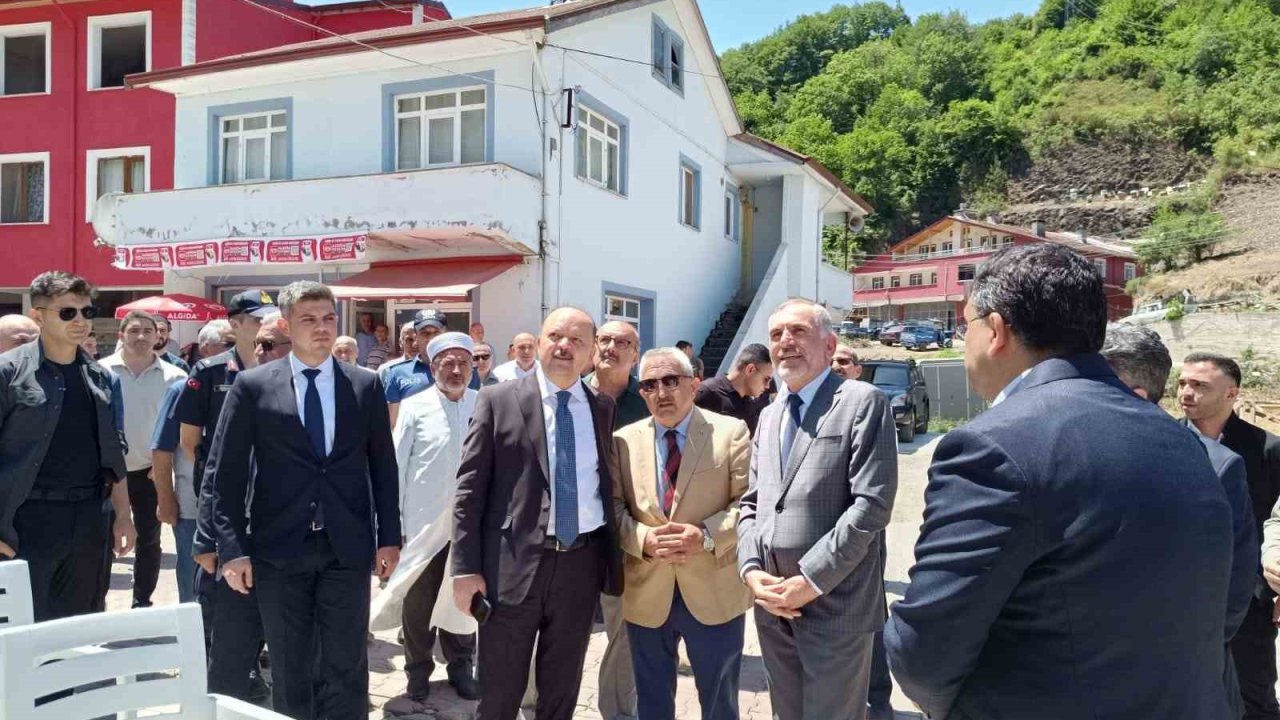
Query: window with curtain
pixel 690 196
pixel 441 128
pixel 122 174
pixel 255 147
pixel 599 150
pixel 22 192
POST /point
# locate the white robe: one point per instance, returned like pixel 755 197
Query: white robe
pixel 429 434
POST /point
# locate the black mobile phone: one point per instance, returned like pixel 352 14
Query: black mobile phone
pixel 480 608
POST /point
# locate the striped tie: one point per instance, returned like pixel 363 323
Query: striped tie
pixel 670 471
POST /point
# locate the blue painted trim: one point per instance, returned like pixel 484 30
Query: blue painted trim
pixel 669 38
pixel 218 112
pixel 624 135
pixel 436 84
pixel 686 162
pixel 648 300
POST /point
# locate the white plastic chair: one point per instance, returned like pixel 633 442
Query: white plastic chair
pixel 174 649
pixel 15 594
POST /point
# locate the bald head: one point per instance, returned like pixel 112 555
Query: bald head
pixel 524 350
pixel 17 330
pixel 566 345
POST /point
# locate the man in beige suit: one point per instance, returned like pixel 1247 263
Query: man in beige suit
pixel 676 494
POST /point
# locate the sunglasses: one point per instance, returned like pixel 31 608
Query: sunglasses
pixel 269 345
pixel 481 357
pixel 67 314
pixel 670 382
pixel 845 361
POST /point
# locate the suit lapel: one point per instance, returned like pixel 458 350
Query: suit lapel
pixel 600 424
pixel 810 426
pixel 644 475
pixel 347 409
pixel 695 447
pixel 529 396
pixel 287 401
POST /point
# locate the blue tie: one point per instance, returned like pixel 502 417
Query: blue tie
pixel 313 413
pixel 790 426
pixel 566 473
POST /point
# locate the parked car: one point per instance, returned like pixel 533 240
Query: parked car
pixel 903 383
pixel 890 334
pixel 849 328
pixel 920 337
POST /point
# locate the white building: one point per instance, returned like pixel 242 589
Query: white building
pixel 587 153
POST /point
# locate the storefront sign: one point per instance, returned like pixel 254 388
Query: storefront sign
pixel 243 251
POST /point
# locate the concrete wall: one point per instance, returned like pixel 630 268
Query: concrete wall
pixel 835 289
pixel 1226 333
pixel 755 326
pixel 768 229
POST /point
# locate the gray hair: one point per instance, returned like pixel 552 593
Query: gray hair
pixel 1139 357
pixel 821 316
pixel 213 332
pixel 302 291
pixel 682 361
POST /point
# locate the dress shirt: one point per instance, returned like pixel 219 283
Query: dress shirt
pixel 511 370
pixel 1012 387
pixel 660 447
pixel 325 386
pixel 590 506
pixel 428 435
pixel 142 394
pixel 806 394
pixel 364 343
pixel 1196 430
pixel 165 438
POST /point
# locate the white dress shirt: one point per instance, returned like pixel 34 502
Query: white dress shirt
pixel 325 385
pixel 590 506
pixel 142 394
pixel 1012 387
pixel 428 436
pixel 511 370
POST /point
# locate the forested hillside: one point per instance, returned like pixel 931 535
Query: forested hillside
pixel 922 114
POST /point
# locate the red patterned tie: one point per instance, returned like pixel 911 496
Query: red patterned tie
pixel 670 471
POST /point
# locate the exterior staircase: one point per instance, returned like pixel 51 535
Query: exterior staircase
pixel 721 338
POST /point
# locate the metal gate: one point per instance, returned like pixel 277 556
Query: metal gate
pixel 950 395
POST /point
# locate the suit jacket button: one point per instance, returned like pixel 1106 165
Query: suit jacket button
pixel 313 506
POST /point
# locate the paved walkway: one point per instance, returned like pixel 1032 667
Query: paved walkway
pixel 386 657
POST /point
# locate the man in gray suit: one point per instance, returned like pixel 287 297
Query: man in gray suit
pixel 824 471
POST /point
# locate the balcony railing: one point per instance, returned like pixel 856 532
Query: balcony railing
pixel 917 257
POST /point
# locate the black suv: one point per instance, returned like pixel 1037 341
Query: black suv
pixel 903 383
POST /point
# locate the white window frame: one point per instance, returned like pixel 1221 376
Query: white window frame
pixel 895 281
pixel 425 116
pixel 733 221
pixel 973 272
pixel 584 125
pixel 1130 271
pixel 96 25
pixel 27 30
pixel 622 317
pixel 1101 265
pixel 91 160
pixel 915 280
pixel 269 132
pixel 695 223
pixel 877 283
pixel 41 157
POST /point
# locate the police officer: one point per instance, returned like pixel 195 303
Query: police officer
pixel 411 378
pixel 232 620
pixel 61 454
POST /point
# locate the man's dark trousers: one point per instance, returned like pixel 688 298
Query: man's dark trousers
pixel 1254 651
pixel 234 630
pixel 420 637
pixel 146 555
pixel 558 611
pixel 311 603
pixel 63 543
pixel 715 652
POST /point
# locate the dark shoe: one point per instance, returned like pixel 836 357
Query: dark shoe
pixel 463 679
pixel 880 711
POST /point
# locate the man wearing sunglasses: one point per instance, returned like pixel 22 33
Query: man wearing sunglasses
pixel 17 330
pixel 61 454
pixel 482 368
pixel 676 491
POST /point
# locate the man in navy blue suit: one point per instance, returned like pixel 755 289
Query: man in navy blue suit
pixel 324 509
pixel 1076 551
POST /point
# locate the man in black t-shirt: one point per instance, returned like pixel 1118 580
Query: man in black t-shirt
pixel 61 454
pixel 737 393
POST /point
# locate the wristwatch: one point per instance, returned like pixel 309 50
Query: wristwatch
pixel 708 543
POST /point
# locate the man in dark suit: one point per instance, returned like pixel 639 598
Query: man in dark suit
pixel 323 470
pixel 1076 551
pixel 824 474
pixel 1208 388
pixel 1142 362
pixel 533 531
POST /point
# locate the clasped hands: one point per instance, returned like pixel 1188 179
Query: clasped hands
pixel 673 543
pixel 239 572
pixel 780 596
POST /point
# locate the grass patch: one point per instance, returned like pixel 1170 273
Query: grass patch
pixel 944 425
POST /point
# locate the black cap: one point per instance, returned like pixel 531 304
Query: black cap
pixel 432 318
pixel 254 302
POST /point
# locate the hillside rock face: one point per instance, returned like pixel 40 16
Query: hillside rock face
pixel 1116 218
pixel 1106 170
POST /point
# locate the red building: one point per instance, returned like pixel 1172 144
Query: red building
pixel 70 131
pixel 925 276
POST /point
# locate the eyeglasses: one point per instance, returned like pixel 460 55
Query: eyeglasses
pixel 481 358
pixel 842 361
pixel 670 382
pixel 269 345
pixel 605 340
pixel 67 314
pixel 228 344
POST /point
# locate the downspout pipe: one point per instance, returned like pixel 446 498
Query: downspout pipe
pixel 535 53
pixel 75 127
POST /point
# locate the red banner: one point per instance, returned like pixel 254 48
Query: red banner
pixel 243 251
